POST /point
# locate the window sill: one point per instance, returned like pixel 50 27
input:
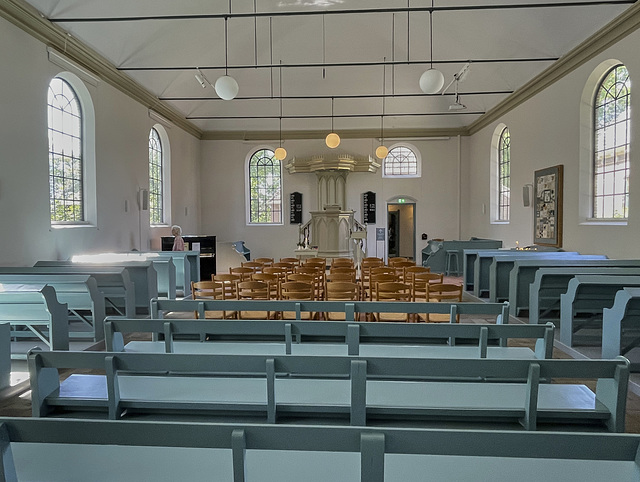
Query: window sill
pixel 73 226
pixel 500 222
pixel 604 222
pixel 265 224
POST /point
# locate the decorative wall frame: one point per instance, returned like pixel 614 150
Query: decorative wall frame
pixel 547 217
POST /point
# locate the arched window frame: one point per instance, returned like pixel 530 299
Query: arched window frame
pixel 254 207
pixel 504 175
pixel 396 151
pixel 611 140
pixel 494 173
pixel 88 154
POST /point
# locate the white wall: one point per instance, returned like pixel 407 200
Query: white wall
pixel 545 131
pixel 223 196
pixel 122 129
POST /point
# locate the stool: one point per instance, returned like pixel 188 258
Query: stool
pixel 451 255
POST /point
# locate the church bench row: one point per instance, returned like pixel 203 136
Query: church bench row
pixel 187 266
pixel 587 296
pixel 141 273
pixel 502 266
pixel 5 355
pixel 484 258
pixel 435 253
pixel 498 310
pixel 362 390
pixel 61 450
pixel 275 337
pixel 113 282
pixel 36 308
pixel 524 272
pixel 470 257
pixel 80 294
pixel 621 325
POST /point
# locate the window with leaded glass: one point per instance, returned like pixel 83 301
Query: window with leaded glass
pixel 66 190
pixel 265 188
pixel 156 215
pixel 612 113
pixel 400 161
pixel 504 175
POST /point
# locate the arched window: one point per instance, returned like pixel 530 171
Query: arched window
pixel 611 138
pixel 265 188
pixel 401 162
pixel 66 170
pixel 504 175
pixel 156 184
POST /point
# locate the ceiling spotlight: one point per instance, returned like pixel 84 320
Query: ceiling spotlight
pixel 202 79
pixel 457 105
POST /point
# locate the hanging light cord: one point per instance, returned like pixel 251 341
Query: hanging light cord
pixel 280 102
pixel 384 92
pixel 431 36
pixel 226 53
pixel 331 114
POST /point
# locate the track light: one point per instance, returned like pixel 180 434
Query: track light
pixel 200 77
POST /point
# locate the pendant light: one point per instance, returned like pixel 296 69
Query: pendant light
pixel 280 153
pixel 226 86
pixel 332 140
pixel 432 80
pixel 381 150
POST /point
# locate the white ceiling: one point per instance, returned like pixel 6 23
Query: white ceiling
pixel 162 55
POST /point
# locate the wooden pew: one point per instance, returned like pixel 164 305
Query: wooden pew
pixel 359 389
pixel 501 267
pixel 621 325
pixel 589 295
pixel 63 449
pixel 5 355
pixel 142 273
pixel 114 283
pixel 351 309
pixel 36 308
pixel 78 291
pixel 423 340
pixel 483 260
pixel 524 272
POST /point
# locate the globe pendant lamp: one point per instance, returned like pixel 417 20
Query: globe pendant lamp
pixel 280 153
pixel 226 86
pixel 332 140
pixel 432 80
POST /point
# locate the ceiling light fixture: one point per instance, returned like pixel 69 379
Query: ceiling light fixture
pixel 381 150
pixel 226 86
pixel 457 78
pixel 332 140
pixel 200 77
pixel 432 80
pixel 280 153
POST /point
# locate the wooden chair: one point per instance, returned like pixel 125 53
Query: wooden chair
pixel 419 282
pixel 229 285
pixel 264 261
pixel 294 261
pixel 288 267
pixel 365 267
pixel 274 283
pixel 349 276
pixel 302 277
pixel 243 271
pixel 397 259
pixel 392 291
pixel 278 271
pixel 341 262
pixel 318 275
pixel 340 291
pixel 368 284
pixel 446 292
pixel 381 278
pixel 208 290
pixel 317 260
pixel 400 268
pixel 255 265
pixel 254 290
pixel 297 290
pixel 409 271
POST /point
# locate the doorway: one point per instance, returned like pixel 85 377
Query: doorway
pixel 401 230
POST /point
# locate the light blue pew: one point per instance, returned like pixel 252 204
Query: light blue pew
pixel 499 310
pixel 434 254
pixel 78 291
pixel 142 273
pixel 5 355
pixel 359 389
pixel 589 295
pixel 187 265
pixel 501 267
pixel 621 325
pixel 166 272
pixel 484 259
pixel 278 337
pixel 36 308
pixel 114 283
pixel 524 271
pixel 63 450
pixel 469 260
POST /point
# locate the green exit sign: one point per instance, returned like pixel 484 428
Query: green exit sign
pixel 401 200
